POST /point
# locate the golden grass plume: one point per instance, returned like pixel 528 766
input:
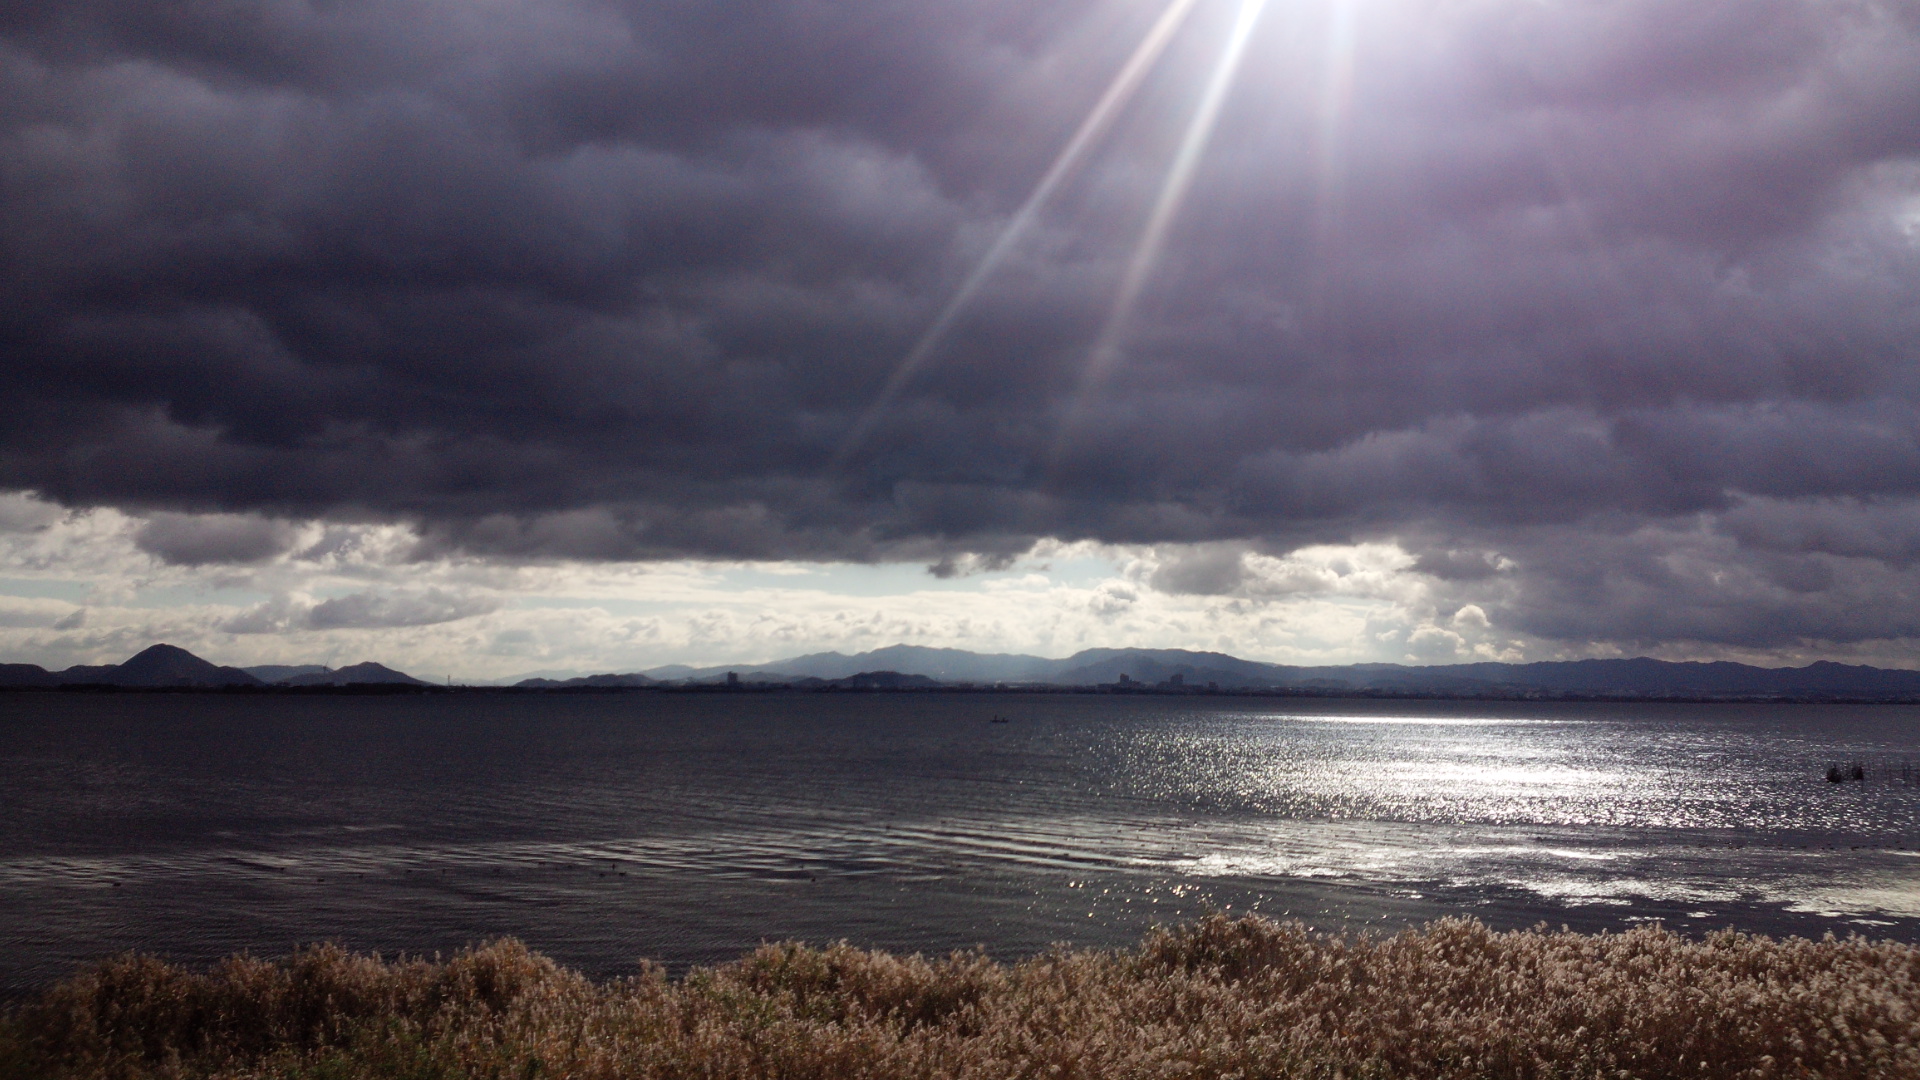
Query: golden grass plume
pixel 1245 998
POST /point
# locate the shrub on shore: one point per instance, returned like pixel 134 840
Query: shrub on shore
pixel 1220 998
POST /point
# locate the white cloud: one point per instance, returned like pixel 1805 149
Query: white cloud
pixel 372 610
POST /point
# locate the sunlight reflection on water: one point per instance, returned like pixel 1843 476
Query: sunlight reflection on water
pixel 1412 721
pixel 688 828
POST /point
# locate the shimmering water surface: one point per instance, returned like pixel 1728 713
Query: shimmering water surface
pixel 687 828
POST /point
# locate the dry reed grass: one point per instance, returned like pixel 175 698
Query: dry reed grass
pixel 1221 998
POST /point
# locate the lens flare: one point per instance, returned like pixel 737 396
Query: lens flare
pixel 1096 123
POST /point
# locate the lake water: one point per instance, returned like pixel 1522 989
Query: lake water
pixel 687 828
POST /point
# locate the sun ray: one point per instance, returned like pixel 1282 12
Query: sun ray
pixel 1084 137
pixel 1336 103
pixel 1173 192
pixel 1330 151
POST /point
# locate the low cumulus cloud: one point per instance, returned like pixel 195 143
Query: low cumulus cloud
pixel 1367 569
pixel 1202 570
pixel 966 564
pixel 225 539
pixel 370 610
pixel 1573 303
pixel 22 613
pixel 22 513
pixel 361 611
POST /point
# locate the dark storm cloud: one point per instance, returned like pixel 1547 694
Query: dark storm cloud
pixel 614 279
pixel 1649 587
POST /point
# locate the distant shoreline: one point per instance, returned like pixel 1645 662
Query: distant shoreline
pixel 1146 672
pixel 1101 690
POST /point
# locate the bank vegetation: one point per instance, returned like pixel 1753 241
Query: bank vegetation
pixel 1222 998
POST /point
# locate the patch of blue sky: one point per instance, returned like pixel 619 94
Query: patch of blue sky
pixel 901 579
pixel 612 605
pixel 1075 571
pixel 46 589
pixel 171 596
pixel 843 579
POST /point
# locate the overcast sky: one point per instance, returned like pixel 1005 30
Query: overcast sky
pixel 483 337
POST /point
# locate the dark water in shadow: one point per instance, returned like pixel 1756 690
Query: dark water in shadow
pixel 689 828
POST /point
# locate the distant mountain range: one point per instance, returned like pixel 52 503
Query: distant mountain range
pixel 273 673
pixel 168 666
pixel 590 682
pixel 915 667
pixel 1640 677
pixel 362 674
